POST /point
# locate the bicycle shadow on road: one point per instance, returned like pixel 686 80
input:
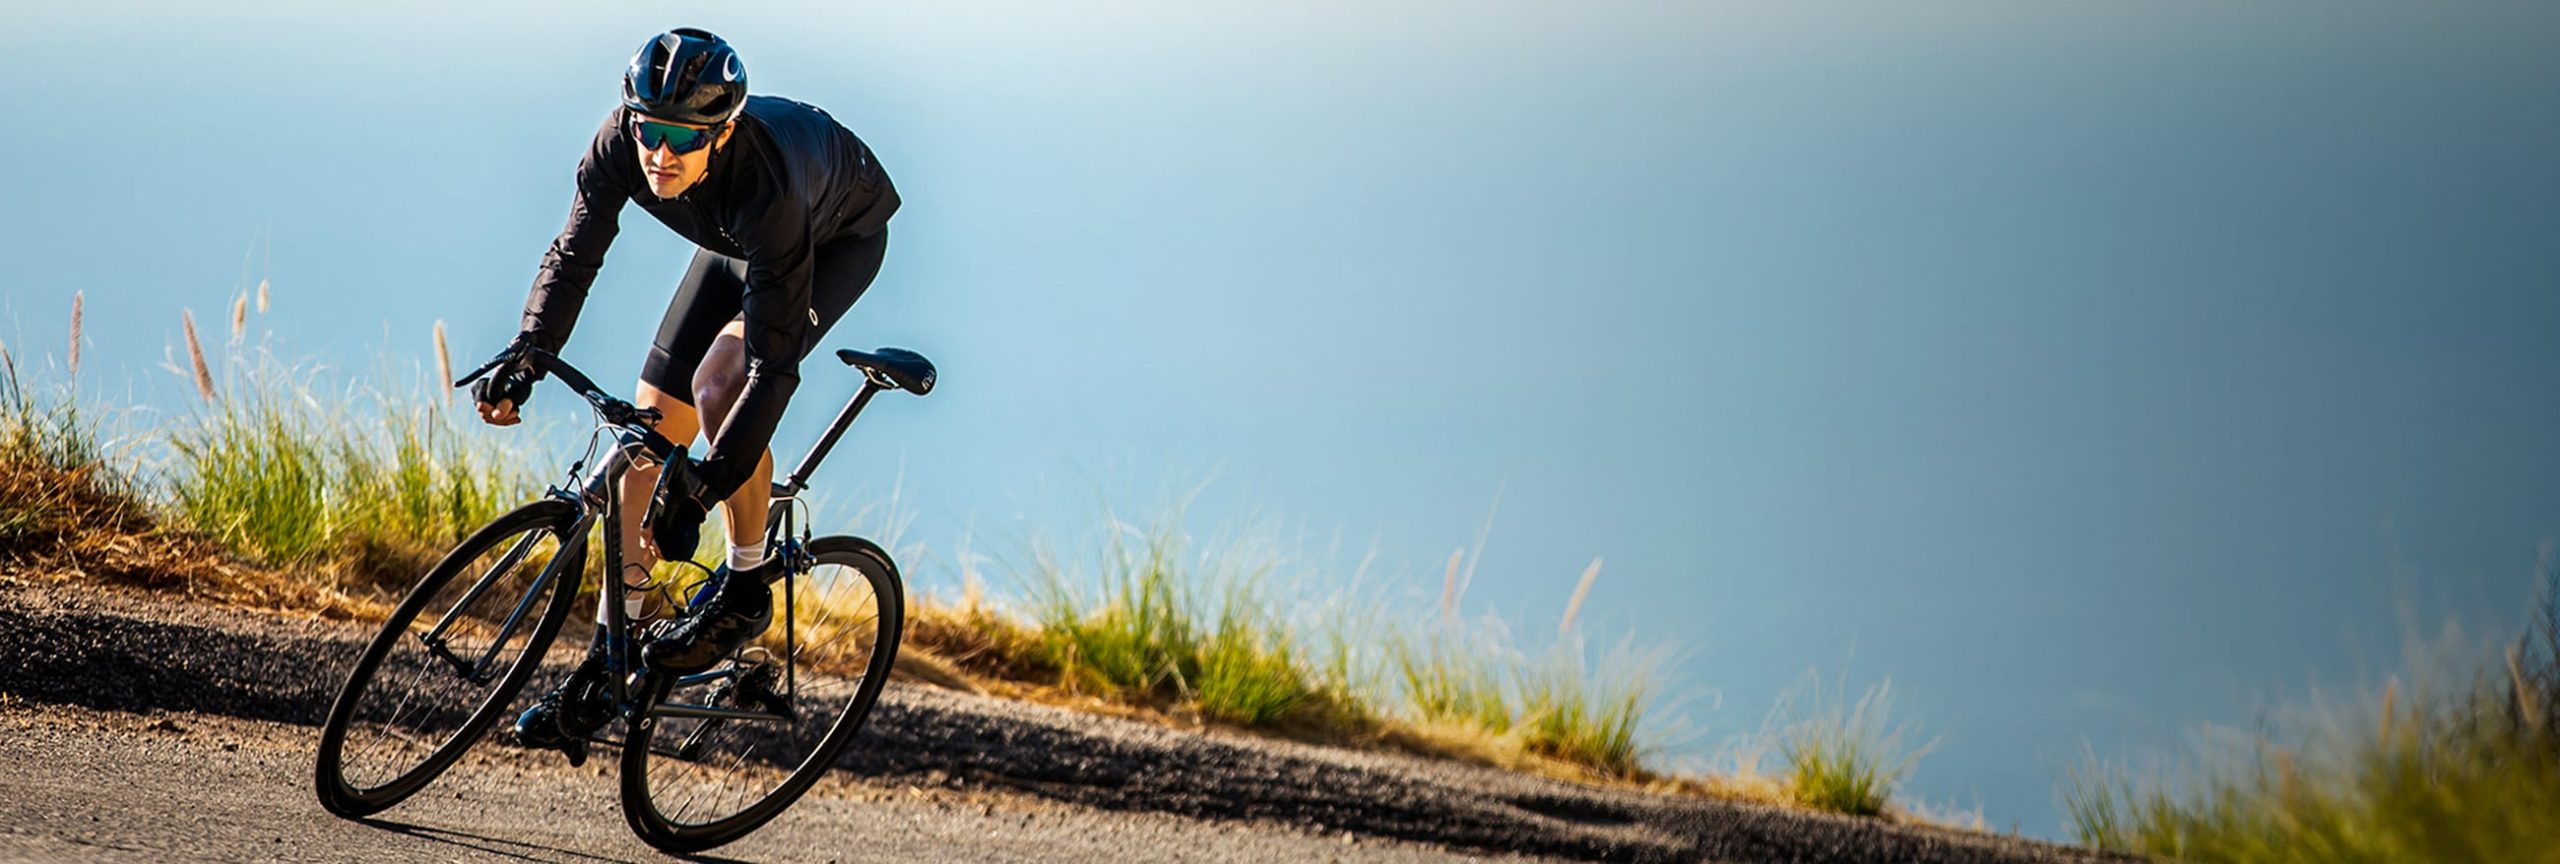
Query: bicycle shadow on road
pixel 517 849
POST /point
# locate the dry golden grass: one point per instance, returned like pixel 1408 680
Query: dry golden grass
pixel 90 533
pixel 1048 654
pixel 992 652
pixel 969 646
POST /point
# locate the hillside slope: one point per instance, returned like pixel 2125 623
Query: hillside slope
pixel 128 651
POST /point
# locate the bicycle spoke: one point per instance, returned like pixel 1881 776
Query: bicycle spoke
pixel 815 670
pixel 426 690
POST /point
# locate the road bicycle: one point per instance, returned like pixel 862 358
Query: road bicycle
pixel 706 757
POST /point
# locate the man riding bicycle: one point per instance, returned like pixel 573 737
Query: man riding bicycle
pixel 791 213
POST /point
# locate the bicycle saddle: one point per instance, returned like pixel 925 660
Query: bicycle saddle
pixel 896 368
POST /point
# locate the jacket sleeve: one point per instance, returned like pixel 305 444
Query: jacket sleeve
pixel 560 288
pixel 780 259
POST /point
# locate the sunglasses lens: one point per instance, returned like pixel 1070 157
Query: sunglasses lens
pixel 680 139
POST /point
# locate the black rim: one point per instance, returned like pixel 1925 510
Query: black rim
pixel 447 662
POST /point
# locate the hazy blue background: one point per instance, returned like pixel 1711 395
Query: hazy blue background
pixel 2094 371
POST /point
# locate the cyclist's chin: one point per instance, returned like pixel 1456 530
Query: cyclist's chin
pixel 670 187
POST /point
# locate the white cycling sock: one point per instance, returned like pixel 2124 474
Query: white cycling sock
pixel 636 605
pixel 746 557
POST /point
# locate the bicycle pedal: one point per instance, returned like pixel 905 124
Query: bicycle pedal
pixel 576 749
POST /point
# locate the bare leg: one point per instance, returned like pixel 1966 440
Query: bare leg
pixel 679 423
pixel 716 384
pixel 573 710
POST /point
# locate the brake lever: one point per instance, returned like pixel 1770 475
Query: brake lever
pixel 465 381
pixel 658 492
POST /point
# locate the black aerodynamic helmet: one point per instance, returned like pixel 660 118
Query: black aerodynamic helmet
pixel 688 76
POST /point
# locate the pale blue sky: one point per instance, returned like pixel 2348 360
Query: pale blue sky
pixel 2093 370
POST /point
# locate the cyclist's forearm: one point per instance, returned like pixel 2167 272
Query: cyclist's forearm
pixel 547 325
pixel 551 308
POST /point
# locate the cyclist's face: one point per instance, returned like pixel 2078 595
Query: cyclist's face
pixel 669 173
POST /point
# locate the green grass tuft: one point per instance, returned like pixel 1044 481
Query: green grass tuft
pixel 1467 675
pixel 1152 627
pixel 1455 675
pixel 2418 773
pixel 1572 714
pixel 44 429
pixel 50 462
pixel 291 474
pixel 1842 756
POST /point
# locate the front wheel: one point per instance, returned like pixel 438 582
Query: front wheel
pixel 449 659
pixel 726 750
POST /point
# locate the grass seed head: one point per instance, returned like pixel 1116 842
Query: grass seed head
pixel 2528 704
pixel 75 332
pixel 444 367
pixel 1574 606
pixel 2390 696
pixel 195 354
pixel 262 296
pixel 239 318
pixel 1449 587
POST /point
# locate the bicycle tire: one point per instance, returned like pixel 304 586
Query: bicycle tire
pixel 354 797
pixel 651 775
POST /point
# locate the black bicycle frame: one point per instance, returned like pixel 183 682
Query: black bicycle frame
pixel 477 671
pixel 603 499
pixel 778 527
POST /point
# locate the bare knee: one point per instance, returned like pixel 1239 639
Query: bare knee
pixel 719 380
pixel 717 393
pixel 676 420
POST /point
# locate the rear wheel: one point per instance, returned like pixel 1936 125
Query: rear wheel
pixel 692 782
pixel 450 659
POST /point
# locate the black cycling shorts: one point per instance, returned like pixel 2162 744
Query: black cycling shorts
pixel 712 295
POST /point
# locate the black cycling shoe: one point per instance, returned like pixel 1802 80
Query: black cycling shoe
pixel 564 717
pixel 738 607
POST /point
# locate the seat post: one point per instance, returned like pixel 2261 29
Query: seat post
pixel 800 476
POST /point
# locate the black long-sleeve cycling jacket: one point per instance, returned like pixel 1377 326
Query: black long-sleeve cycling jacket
pixel 789 180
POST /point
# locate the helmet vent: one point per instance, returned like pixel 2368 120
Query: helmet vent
pixel 688 76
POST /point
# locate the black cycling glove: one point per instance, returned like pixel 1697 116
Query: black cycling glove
pixel 512 381
pixel 676 511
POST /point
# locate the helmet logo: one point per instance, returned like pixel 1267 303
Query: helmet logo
pixel 732 72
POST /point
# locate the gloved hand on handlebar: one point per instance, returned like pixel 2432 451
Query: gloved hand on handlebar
pixel 676 510
pixel 502 393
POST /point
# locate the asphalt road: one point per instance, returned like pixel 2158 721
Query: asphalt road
pixel 84 785
pixel 137 726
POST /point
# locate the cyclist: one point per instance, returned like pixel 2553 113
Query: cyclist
pixel 791 213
